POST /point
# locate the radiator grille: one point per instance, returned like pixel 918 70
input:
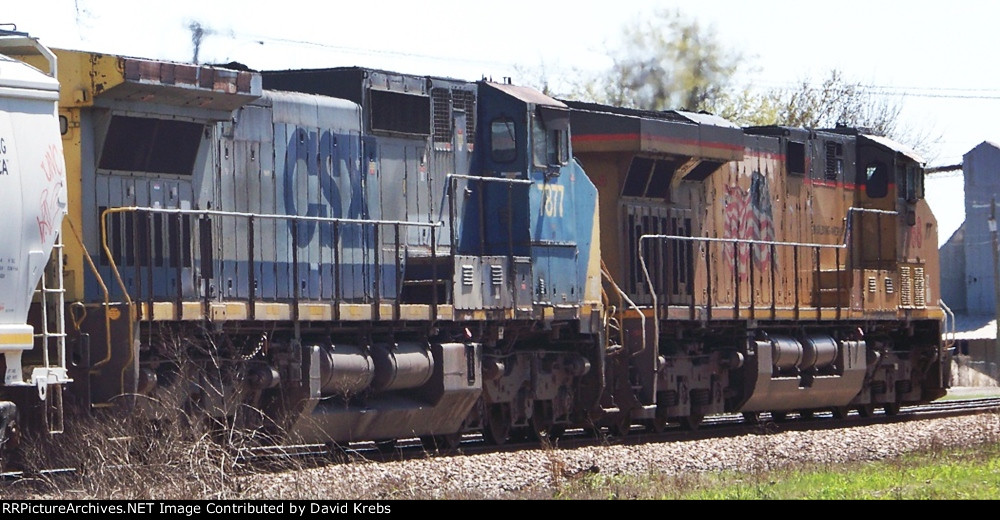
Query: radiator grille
pixel 919 287
pixel 441 102
pixel 834 163
pixel 466 100
pixel 905 284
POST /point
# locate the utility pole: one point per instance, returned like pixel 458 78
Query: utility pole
pixel 996 272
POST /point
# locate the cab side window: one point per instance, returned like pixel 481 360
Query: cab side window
pixel 876 179
pixel 503 141
pixel 911 183
pixel 550 137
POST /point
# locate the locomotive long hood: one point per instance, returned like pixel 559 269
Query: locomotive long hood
pixel 602 128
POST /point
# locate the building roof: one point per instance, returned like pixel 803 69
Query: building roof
pixel 984 144
pixel 972 326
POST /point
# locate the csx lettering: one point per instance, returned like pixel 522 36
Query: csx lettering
pixel 330 176
pixel 553 196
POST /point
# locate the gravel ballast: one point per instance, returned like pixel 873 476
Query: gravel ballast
pixel 512 474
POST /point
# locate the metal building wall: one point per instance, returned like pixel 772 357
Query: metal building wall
pixel 981 167
pixel 952 255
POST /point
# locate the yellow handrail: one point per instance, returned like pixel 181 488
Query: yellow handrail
pixel 121 283
pixel 107 298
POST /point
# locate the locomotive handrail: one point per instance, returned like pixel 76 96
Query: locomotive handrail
pixel 949 332
pixel 848 226
pixel 623 296
pixel 735 241
pixel 128 299
pixel 844 245
pixel 872 210
pixel 110 256
pixel 220 213
pixel 104 290
pixel 449 193
pixel 743 241
pixel 452 209
pixel 295 220
pixel 450 188
pixel 488 179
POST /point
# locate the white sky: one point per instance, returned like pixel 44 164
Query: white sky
pixel 940 55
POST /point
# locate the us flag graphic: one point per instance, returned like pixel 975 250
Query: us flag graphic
pixel 748 216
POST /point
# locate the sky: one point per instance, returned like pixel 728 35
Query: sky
pixel 932 57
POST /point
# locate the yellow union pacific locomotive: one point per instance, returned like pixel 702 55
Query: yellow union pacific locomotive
pixel 351 254
pixel 775 269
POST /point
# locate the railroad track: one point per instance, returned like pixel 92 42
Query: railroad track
pixel 713 426
pixel 723 425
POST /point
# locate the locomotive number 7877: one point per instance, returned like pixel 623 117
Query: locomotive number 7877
pixel 553 196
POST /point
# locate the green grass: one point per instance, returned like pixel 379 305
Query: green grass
pixel 955 475
pixel 967 473
pixel 976 395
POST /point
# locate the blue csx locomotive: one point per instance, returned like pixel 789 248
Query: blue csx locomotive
pixel 351 254
pixel 361 254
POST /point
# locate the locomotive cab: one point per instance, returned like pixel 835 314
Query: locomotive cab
pixel 891 229
pixel 547 206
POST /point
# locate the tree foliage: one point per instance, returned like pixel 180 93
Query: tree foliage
pixel 663 62
pixel 669 61
pixel 826 104
pixel 832 101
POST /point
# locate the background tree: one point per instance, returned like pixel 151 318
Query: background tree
pixel 669 61
pixel 833 101
pixel 664 62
